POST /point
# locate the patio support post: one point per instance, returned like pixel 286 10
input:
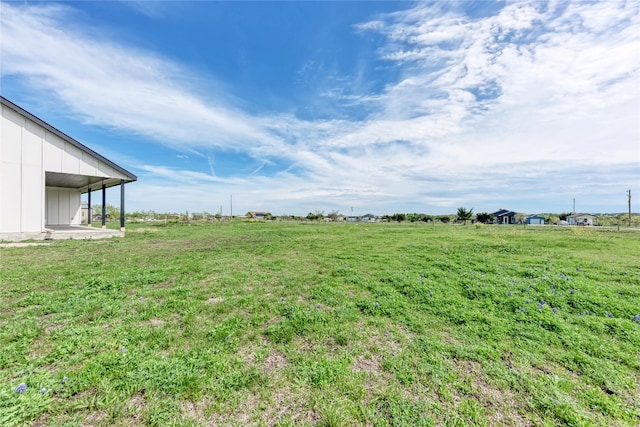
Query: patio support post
pixel 89 215
pixel 122 205
pixel 104 206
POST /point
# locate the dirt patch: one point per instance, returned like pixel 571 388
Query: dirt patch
pixel 194 411
pixel 215 300
pixel 156 322
pixel 368 364
pixel 275 362
pixel 134 408
pixel 95 418
pixel 501 405
pixel 391 342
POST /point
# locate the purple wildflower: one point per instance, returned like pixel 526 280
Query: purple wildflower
pixel 636 318
pixel 509 293
pixel 21 388
pixel 609 315
pixel 123 350
pixel 555 310
pixel 318 306
pixel 43 390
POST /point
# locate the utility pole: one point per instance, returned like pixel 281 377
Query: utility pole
pixel 629 204
pixel 231 205
pixel 574 205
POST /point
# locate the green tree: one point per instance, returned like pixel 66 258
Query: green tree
pixel 398 217
pixel 484 217
pixel 111 211
pixel 464 215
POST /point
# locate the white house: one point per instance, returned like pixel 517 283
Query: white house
pixel 43 172
pixel 368 218
pixel 580 219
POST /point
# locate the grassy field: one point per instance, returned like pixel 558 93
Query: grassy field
pixel 248 323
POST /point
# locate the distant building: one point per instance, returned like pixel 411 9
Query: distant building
pixel 504 216
pixel 84 213
pixel 258 215
pixel 581 219
pixel 368 218
pixel 534 220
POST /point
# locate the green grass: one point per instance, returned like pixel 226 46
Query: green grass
pixel 323 324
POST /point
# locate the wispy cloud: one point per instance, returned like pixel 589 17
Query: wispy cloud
pixel 537 98
pixel 112 84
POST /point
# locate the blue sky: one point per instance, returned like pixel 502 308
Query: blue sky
pixel 363 107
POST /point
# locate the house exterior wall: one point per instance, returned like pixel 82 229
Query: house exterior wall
pixel 62 157
pixel 22 175
pixel 62 206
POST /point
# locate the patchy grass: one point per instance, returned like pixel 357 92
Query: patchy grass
pixel 323 324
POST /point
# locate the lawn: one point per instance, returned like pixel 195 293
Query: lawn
pixel 253 323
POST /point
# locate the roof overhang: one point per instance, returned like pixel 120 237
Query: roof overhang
pixel 83 183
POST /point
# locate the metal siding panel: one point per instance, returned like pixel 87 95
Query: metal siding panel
pixel 88 165
pixel 32 144
pixel 11 142
pixel 75 216
pixel 63 207
pixel 53 149
pixel 52 206
pixel 31 210
pixel 71 159
pixel 10 197
pixel 106 171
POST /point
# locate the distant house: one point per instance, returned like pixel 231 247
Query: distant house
pixel 580 219
pixel 534 220
pixel 504 216
pixel 352 218
pixel 84 212
pixel 368 218
pixel 257 215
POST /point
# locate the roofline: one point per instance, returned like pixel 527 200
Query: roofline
pixel 66 137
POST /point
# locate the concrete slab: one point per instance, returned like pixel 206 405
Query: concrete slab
pixel 63 232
